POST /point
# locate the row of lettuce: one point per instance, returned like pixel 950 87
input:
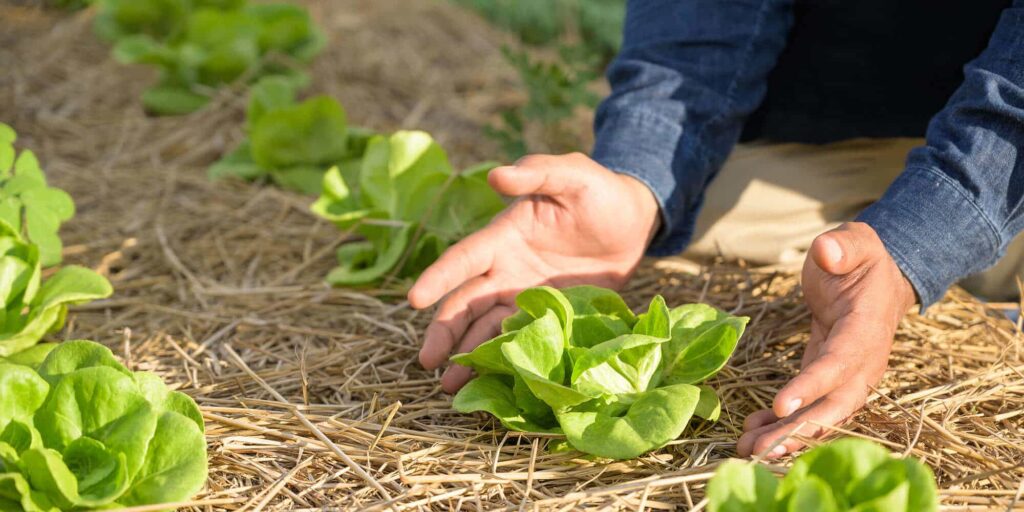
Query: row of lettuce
pixel 78 430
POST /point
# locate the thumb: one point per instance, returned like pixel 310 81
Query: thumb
pixel 536 175
pixel 845 248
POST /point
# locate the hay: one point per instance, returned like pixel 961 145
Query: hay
pixel 313 397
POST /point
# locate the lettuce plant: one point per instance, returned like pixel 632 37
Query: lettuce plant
pixel 214 43
pixel 292 143
pixel 79 431
pixel 578 362
pixel 407 202
pixel 34 307
pixel 27 204
pixel 846 475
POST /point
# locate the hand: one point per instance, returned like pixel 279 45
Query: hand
pixel 574 222
pixel 857 296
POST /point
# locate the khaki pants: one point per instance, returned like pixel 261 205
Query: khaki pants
pixel 770 201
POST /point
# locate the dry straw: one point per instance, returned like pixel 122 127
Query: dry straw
pixel 313 397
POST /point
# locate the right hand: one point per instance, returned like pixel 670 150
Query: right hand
pixel 574 222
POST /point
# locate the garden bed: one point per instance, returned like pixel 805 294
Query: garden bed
pixel 313 397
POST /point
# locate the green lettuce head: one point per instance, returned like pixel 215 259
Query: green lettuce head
pixel 850 474
pixel 78 430
pixel 578 361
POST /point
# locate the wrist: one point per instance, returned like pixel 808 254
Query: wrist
pixel 644 200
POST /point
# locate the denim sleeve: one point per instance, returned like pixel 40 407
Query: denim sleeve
pixel 689 73
pixel 960 200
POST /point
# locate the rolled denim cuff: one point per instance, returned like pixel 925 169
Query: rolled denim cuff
pixel 643 146
pixel 934 230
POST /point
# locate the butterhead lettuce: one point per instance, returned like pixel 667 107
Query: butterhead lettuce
pixel 78 430
pixel 845 475
pixel 579 362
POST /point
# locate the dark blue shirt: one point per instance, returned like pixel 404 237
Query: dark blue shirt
pixel 691 72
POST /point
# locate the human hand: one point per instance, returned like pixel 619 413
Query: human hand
pixel 574 222
pixel 857 296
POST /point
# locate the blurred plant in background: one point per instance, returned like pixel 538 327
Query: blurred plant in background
pixel 584 34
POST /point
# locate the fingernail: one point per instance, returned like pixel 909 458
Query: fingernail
pixel 779 451
pixel 793 406
pixel 833 250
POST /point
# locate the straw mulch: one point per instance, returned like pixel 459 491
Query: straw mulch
pixel 313 397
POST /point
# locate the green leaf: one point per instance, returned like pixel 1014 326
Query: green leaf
pixel 709 406
pixel 28 172
pixel 697 354
pixel 624 429
pixel 594 329
pixel 364 263
pixel 76 355
pixel 537 349
pixel 175 467
pixel 813 493
pixel 539 300
pixel 15 492
pixel 487 357
pixel 839 464
pixel 85 401
pixel 101 475
pixel 269 94
pixel 467 204
pixel 238 163
pixel 163 399
pixel 7 134
pixel 741 487
pixel 655 322
pixel 493 394
pixel 627 364
pixel 72 285
pixel 304 179
pixel 22 392
pixel 517 321
pixel 394 170
pixel 172 100
pixel 46 472
pixel 337 202
pixel 31 357
pixel 309 134
pixel 21 436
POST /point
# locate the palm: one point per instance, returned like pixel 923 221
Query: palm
pixel 574 222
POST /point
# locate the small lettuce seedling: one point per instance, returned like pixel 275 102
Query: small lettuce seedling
pixel 290 142
pixel 579 362
pixel 850 474
pixel 407 202
pixel 27 204
pixel 80 431
pixel 201 46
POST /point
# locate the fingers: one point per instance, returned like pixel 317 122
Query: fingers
pixel 845 248
pixel 814 344
pixel 455 315
pixel 484 328
pixel 471 257
pixel 539 174
pixel 759 419
pixel 850 356
pixel 829 411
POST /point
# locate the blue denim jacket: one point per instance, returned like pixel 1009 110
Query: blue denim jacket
pixel 681 91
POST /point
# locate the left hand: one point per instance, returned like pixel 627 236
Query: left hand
pixel 857 297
